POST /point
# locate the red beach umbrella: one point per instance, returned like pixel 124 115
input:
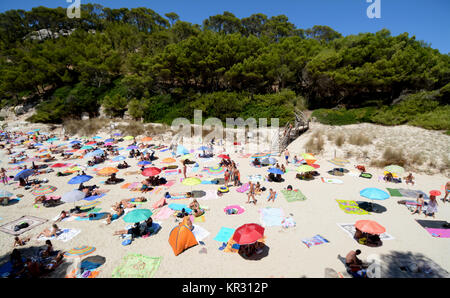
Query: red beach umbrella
pixel 152 171
pixel 224 156
pixel 435 193
pixel 370 226
pixel 59 165
pixel 248 233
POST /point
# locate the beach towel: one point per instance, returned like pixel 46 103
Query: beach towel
pixel 31 220
pixel 331 180
pixel 137 266
pixel 316 240
pixel 394 192
pixel 234 210
pixel 293 195
pixel 243 188
pixel 179 207
pixel 270 217
pixel 209 181
pixel 97 216
pixel 349 228
pixel 91 198
pixel 200 233
pixel 199 219
pixel 351 207
pixel 224 234
pixel 164 213
pixel 159 203
pixel 433 224
pixel 439 233
pixel 169 183
pixel 412 193
pixel 171 172
pixel 65 236
pixel 231 246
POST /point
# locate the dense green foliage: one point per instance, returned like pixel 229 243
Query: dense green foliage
pixel 159 68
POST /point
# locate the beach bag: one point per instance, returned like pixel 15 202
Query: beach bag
pixel 366 175
pixel 21 226
pixel 362 240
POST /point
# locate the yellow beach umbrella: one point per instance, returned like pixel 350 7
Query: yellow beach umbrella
pixel 191 181
pixel 127 138
pixel 305 169
pixel 186 156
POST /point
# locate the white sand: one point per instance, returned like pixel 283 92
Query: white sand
pixel 288 256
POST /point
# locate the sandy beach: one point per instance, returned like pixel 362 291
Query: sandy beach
pixel 287 256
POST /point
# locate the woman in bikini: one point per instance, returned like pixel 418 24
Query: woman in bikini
pixel 251 193
pixel 48 233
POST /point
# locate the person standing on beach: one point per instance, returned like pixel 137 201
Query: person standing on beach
pixel 431 207
pixel 447 191
pixel 3 176
pixel 286 155
pixel 184 168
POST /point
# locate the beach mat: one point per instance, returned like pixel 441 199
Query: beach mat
pixel 164 213
pixel 439 233
pixel 243 188
pixel 200 233
pixel 432 224
pixel 271 217
pixel 224 234
pixel 394 192
pixel 210 195
pixel 412 193
pixel 351 207
pixel 331 180
pixel 349 228
pixel 293 195
pixel 316 240
pixel 91 198
pixel 137 266
pixel 31 220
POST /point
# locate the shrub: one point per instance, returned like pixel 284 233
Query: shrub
pixel 359 139
pixel 340 140
pixel 134 128
pixel 315 144
pixel 391 157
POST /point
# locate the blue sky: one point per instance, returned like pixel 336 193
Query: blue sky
pixel 428 20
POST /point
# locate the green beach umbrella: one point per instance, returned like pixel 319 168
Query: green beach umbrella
pixel 304 169
pixel 394 169
pixel 127 138
pixel 186 156
pixel 137 215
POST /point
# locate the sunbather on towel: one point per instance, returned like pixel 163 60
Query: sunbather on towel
pixel 134 231
pixel 49 233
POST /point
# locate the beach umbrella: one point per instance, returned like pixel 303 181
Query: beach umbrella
pixel 191 181
pixel 119 158
pixel 370 226
pixel 5 194
pixel 137 215
pixel 87 147
pixel 52 140
pixel 97 152
pixel 97 137
pixel 269 161
pixel 109 140
pixel 58 165
pixel 132 147
pixel 248 233
pixel 309 158
pixel 168 160
pixel 43 190
pixel 275 171
pixel 152 171
pixel 24 174
pixel 79 251
pixel 435 193
pixel 75 142
pixel 107 171
pixel 108 144
pixel 204 148
pixel 305 169
pixel 117 134
pixel 260 155
pixel 187 156
pixel 127 138
pixel 146 139
pixel 374 193
pixel 76 168
pixel 215 170
pixel 394 169
pixel 144 163
pixel 339 162
pixel 79 179
pixel 224 156
pixel 73 196
pixel 38 144
pixel 90 205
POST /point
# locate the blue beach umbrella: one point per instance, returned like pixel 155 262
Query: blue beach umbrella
pixel 269 161
pixel 87 147
pixel 109 140
pixel 374 194
pixel 23 174
pixel 95 153
pixel 80 179
pixel 75 142
pixel 96 137
pixel 119 158
pixel 144 162
pixel 275 171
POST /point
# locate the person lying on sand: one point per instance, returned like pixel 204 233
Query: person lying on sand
pixel 195 206
pixel 110 217
pixel 20 242
pixel 62 215
pixel 50 233
pixel 134 231
pixel 272 195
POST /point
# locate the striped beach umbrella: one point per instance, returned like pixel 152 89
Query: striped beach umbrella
pixel 79 251
pixel 43 190
pixel 89 205
pixel 339 162
pixel 215 170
